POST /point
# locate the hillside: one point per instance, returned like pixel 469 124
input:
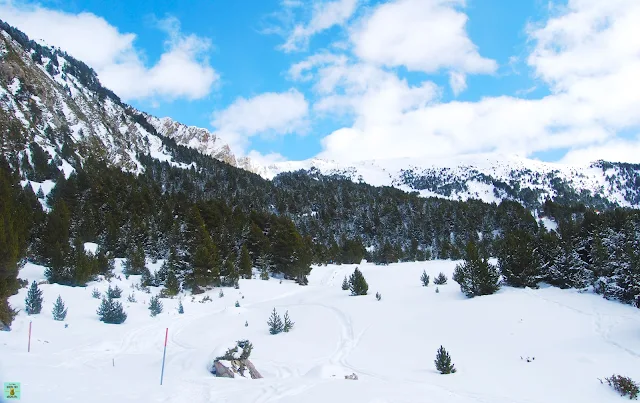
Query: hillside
pixel 490 178
pixel 571 339
pixel 49 98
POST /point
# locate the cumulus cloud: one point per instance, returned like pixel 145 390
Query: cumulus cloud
pixel 422 35
pixel 267 114
pixel 182 71
pixel 588 54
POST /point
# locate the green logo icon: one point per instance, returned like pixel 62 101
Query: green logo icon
pixel 12 390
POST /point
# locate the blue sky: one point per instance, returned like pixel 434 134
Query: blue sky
pixel 376 79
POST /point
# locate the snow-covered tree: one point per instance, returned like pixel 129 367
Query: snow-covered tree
pixel 288 323
pixel 357 284
pixel 424 278
pixel 33 302
pixel 111 311
pixel 275 323
pixel 441 279
pixel 155 305
pixel 476 275
pixel 59 310
pixel 443 362
pixel 345 283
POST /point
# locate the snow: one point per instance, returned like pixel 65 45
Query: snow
pixel 575 338
pixel 91 247
pixel 528 173
pixel 549 224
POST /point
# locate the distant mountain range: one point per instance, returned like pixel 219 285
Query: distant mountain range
pixel 56 101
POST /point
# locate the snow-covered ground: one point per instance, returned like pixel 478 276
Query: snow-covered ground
pixel 390 344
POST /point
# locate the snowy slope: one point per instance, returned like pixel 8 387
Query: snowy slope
pixel 575 339
pixel 48 97
pixel 490 178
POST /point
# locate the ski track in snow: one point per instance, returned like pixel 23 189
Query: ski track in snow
pixel 349 337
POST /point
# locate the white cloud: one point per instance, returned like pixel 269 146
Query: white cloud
pixel 182 70
pixel 589 55
pixel 265 114
pixel 618 150
pixel 422 35
pixel 457 81
pixel 325 15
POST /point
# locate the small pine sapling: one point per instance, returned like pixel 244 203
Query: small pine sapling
pixel 132 297
pixel 288 324
pixel 437 290
pixel 345 284
pixel 221 293
pixel 114 292
pixel 155 305
pixel 246 323
pixel 378 296
pixel 96 294
pixel 443 362
pixel 111 311
pixel 180 308
pixel 441 279
pixel 424 278
pixel 33 302
pixel 59 310
pixel 237 304
pixel 275 323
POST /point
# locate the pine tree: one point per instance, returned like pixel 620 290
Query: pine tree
pixel 155 305
pixel 59 311
pixel 136 262
pixel 114 293
pixel 146 279
pixel 378 296
pixel 275 323
pixel 345 283
pixel 180 308
pixel 237 304
pixel 245 263
pixel 171 285
pixel 111 311
pixel 221 293
pixel 476 275
pixel 519 260
pixel 441 279
pixel 443 362
pixel 424 278
pixel 288 324
pixel 33 302
pixel 246 323
pixel 357 284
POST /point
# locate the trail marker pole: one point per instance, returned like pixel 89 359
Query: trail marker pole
pixel 164 355
pixel 29 345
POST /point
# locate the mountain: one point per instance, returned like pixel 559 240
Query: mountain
pixel 54 101
pixel 490 178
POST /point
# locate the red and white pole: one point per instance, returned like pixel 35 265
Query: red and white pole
pixel 164 355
